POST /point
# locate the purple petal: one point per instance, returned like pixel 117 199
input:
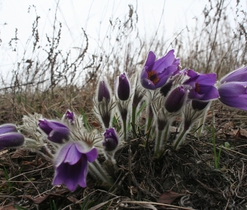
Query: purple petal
pixel 238 75
pixel 232 89
pixel 164 62
pixel 72 175
pixel 234 94
pixel 91 153
pixel 208 79
pixel 123 90
pixel 62 155
pixel 58 135
pixel 73 155
pixel 6 128
pixel 12 139
pixel 175 99
pixel 150 59
pixel 103 91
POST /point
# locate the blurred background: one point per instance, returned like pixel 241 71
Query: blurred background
pixel 45 43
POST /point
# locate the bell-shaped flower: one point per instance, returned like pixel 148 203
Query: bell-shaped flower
pixel 238 75
pixel 156 72
pixel 110 139
pixel 56 131
pixel 9 136
pixel 71 165
pixel 103 91
pixel 202 86
pixel 234 94
pixel 123 88
pixel 175 99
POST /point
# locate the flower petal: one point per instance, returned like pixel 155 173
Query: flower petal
pixel 6 128
pixel 13 139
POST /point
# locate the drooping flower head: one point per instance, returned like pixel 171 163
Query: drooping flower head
pixel 56 131
pixel 155 73
pixel 71 165
pixel 10 137
pixel 110 139
pixel 123 88
pixel 202 86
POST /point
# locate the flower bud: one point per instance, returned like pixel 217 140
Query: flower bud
pixel 56 131
pixel 110 139
pixel 175 99
pixel 123 90
pixel 11 139
pixel 7 128
pixel 70 117
pixel 103 91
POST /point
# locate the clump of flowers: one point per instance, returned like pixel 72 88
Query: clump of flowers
pixel 160 93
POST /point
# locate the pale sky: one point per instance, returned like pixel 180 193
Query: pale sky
pixel 93 15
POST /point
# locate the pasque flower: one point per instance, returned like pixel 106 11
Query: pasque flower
pixel 202 86
pixel 70 116
pixel 155 73
pixel 71 165
pixel 9 136
pixel 103 91
pixel 110 139
pixel 56 131
pixel 104 103
pixel 123 88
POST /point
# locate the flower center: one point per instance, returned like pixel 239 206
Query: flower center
pixel 153 76
pixel 197 89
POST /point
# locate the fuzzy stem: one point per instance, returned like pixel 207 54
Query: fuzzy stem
pixel 158 146
pixel 150 119
pixel 166 132
pixel 96 169
pixel 180 139
pixel 134 119
pixel 125 128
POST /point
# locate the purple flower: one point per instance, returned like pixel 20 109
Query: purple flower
pixel 234 94
pixel 9 137
pixel 110 139
pixel 156 72
pixel 103 91
pixel 70 116
pixel 56 131
pixel 202 86
pixel 123 89
pixel 238 75
pixel 175 99
pixel 71 165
